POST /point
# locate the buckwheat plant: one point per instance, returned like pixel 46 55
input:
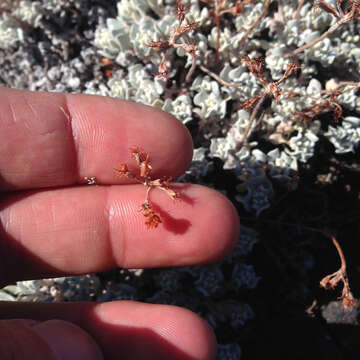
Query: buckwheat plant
pixel 152 218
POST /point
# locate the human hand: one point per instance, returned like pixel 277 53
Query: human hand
pixel 53 226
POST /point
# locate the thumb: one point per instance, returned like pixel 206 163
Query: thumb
pixel 22 339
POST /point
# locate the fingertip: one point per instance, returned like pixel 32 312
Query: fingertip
pixel 202 227
pixel 165 332
pixel 225 225
pixel 216 226
pixel 191 332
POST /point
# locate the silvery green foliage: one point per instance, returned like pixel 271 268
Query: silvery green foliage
pixel 346 137
pixel 207 92
pixel 133 29
pixel 247 17
pixel 310 25
pixel 29 12
pixel 223 148
pixel 226 45
pixel 195 13
pixel 11 27
pixel 287 107
pixel 281 164
pixel 208 97
pixel 138 85
pixel 76 288
pixel 276 61
pixel 239 75
pixel 9 293
pixel 11 32
pixel 230 47
pixel 181 107
pixel 302 145
pixel 350 99
pixel 112 39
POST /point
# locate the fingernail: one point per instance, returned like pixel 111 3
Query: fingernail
pixel 68 341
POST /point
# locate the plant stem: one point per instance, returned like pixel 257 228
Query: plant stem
pixel 254 113
pixel 255 23
pixel 332 29
pixel 218 78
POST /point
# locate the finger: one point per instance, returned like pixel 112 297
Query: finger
pixel 52 139
pixel 17 339
pixel 88 229
pixel 130 330
pixel 49 340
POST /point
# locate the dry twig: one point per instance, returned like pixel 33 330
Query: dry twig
pixel 297 12
pixel 256 22
pixel 332 280
pixel 326 103
pixel 271 90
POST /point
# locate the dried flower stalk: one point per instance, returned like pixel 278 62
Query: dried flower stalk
pixel 171 42
pixel 351 12
pixel 152 218
pixel 271 90
pixel 332 280
pixel 220 8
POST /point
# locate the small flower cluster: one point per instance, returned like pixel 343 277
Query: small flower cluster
pixel 331 281
pixel 172 41
pixel 152 218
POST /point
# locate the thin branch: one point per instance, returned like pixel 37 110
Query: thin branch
pixel 191 70
pixel 297 13
pixel 218 78
pixel 254 113
pixel 256 22
pixel 314 42
pixel 350 15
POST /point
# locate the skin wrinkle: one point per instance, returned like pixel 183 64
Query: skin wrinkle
pixel 110 214
pixel 53 214
pixel 35 113
pixel 13 113
pixel 30 118
pixel 89 138
pixel 123 210
pixel 33 127
pixel 70 126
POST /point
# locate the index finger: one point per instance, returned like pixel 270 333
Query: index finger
pixel 52 139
